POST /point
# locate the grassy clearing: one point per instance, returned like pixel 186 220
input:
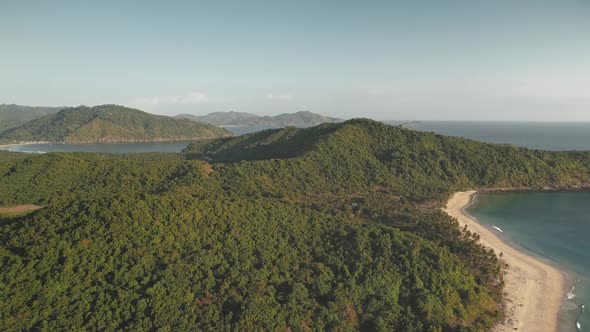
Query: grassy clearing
pixel 10 212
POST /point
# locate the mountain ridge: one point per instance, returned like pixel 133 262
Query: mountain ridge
pixel 458 161
pixel 233 118
pixel 108 123
pixel 333 227
pixel 12 115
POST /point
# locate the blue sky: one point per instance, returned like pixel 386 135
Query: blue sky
pixel 456 60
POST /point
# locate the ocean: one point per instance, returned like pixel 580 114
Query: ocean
pixel 553 226
pixel 534 135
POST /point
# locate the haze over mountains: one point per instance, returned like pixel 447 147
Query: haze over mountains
pixel 15 115
pixel 72 128
pixel 232 118
pixel 109 123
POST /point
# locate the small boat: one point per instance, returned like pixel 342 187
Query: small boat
pixel 499 229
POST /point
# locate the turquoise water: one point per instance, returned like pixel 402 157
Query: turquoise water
pixel 534 135
pixel 552 226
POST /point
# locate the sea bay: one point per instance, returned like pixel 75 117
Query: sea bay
pixel 553 226
pixel 138 147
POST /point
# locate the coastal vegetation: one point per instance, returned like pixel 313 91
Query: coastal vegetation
pixel 334 227
pixel 412 164
pixel 108 123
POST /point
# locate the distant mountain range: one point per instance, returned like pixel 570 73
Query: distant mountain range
pixel 303 118
pixel 109 123
pixel 15 115
pixel 12 116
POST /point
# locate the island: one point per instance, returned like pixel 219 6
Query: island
pixel 334 227
pixel 108 124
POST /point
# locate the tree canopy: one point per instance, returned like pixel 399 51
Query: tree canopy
pixel 335 227
pixel 109 123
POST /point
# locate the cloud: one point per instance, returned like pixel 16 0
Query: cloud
pixel 155 102
pixel 194 97
pixel 280 96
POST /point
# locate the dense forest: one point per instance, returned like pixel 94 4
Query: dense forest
pixel 108 123
pixel 335 227
pixel 15 115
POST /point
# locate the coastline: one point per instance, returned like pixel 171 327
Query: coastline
pixel 113 142
pixel 533 290
pixel 23 143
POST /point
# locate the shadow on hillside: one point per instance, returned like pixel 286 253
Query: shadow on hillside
pixel 288 142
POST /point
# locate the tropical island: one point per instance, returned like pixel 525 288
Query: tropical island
pixel 334 227
pixel 108 123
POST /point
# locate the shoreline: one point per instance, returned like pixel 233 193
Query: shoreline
pixel 114 142
pixel 581 187
pixel 533 290
pixel 23 143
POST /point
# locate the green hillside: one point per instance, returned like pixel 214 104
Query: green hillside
pixel 109 123
pixel 265 144
pixel 335 227
pixel 417 164
pixel 15 115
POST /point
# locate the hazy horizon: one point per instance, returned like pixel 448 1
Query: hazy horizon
pixel 271 114
pixel 427 61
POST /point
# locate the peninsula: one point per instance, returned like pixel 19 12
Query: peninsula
pixel 333 227
pixel 108 123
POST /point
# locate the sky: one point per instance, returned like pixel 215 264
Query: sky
pixel 387 60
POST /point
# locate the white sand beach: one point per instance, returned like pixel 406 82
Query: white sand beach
pixel 533 289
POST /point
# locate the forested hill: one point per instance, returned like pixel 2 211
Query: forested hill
pixel 303 118
pixel 109 123
pixel 417 164
pixel 335 227
pixel 15 115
